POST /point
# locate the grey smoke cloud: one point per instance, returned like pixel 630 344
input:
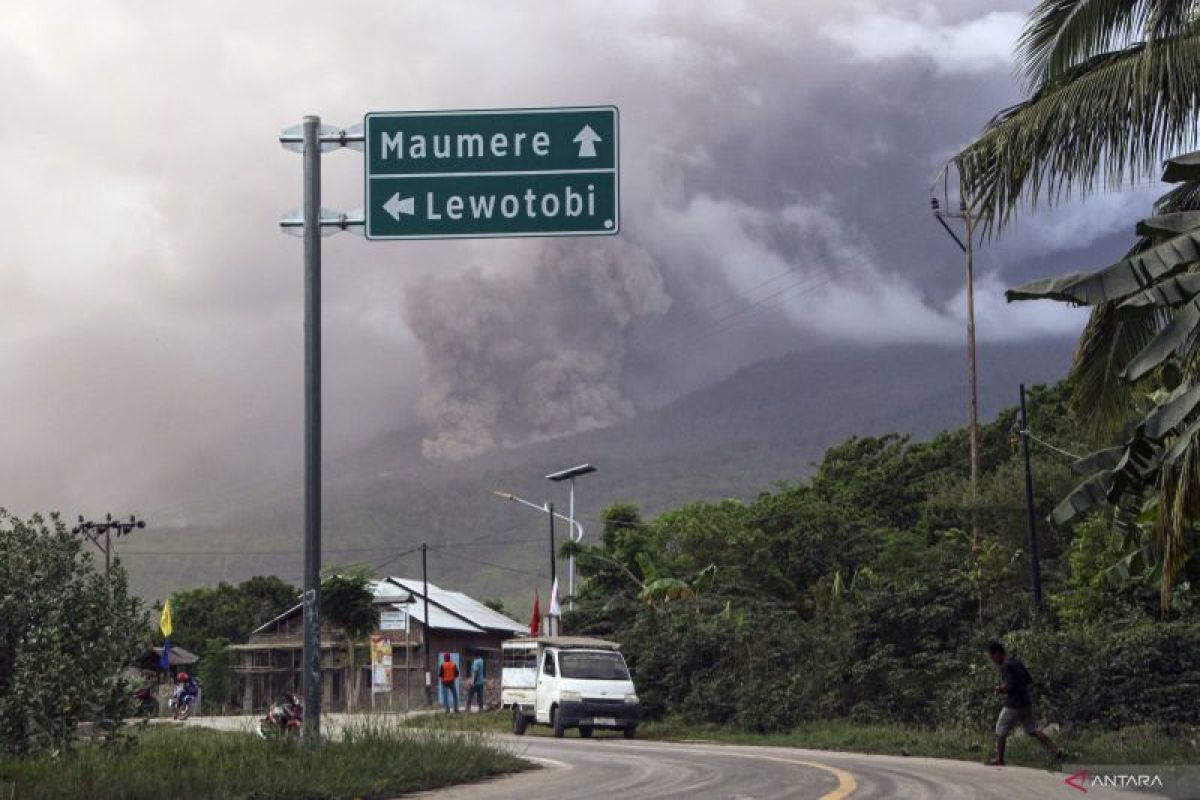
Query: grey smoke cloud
pixel 533 355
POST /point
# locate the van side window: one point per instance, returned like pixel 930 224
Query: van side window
pixel 548 668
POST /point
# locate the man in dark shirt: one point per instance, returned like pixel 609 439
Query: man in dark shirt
pixel 1018 707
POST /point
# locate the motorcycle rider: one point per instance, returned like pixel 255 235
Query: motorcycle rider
pixel 186 691
pixel 286 715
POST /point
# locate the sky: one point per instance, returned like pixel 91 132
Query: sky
pixel 776 164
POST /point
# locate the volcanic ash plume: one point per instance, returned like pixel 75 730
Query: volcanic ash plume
pixel 513 358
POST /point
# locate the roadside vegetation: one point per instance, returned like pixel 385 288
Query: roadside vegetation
pixel 191 763
pixel 858 598
pixel 66 632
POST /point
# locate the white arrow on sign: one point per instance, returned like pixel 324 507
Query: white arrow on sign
pixel 396 206
pixel 586 139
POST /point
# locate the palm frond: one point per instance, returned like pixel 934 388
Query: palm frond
pixel 1098 398
pixel 1111 118
pixel 1061 33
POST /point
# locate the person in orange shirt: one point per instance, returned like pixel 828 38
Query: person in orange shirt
pixel 448 672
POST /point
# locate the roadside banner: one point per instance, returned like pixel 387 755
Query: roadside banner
pixel 381 664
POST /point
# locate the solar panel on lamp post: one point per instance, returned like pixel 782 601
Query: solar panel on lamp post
pixel 570 475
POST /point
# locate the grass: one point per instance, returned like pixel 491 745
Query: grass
pixel 1142 745
pixel 366 761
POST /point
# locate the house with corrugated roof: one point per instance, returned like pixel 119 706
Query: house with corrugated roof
pixel 268 664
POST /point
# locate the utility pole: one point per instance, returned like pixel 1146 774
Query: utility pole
pixel 92 531
pixel 968 249
pixel 425 631
pixel 1035 565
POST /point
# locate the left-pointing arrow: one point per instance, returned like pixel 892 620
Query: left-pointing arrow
pixel 397 206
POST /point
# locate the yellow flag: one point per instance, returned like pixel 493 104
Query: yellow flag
pixel 164 623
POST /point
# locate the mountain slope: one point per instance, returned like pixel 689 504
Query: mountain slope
pixel 765 423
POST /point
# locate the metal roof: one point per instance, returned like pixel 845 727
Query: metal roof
pixel 460 605
pixel 447 610
pixel 388 592
pixel 442 620
pixel 568 642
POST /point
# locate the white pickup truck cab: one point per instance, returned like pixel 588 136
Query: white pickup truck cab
pixel 568 682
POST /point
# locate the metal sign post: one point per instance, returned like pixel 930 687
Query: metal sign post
pixel 439 174
pixel 311 138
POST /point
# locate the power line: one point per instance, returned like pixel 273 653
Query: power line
pixel 293 552
pixel 490 563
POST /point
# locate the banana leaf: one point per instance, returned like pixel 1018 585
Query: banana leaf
pixel 1170 414
pixel 1182 168
pixel 1168 293
pixel 1087 497
pixel 1164 226
pixel 1178 332
pixel 1100 460
pixel 1129 275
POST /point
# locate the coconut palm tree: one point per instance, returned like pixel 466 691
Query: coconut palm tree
pixel 1113 90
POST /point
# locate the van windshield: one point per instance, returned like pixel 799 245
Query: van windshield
pixel 593 666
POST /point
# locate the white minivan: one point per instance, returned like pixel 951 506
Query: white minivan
pixel 568 682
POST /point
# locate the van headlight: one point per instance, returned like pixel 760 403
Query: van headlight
pixel 631 699
pixel 570 697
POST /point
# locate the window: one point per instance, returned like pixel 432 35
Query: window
pixel 594 666
pixel 520 658
pixel 548 666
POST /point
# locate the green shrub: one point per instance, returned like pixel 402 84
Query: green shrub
pixel 65 634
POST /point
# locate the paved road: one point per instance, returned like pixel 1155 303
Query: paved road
pixel 616 769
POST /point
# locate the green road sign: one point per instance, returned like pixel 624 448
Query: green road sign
pixel 510 172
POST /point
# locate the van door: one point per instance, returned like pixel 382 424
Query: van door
pixel 547 687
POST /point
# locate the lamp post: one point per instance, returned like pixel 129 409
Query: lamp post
pixel 570 475
pixel 576 531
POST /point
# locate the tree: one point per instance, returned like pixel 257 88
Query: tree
pixel 1113 88
pixel 228 612
pixel 216 671
pixel 348 602
pixel 65 635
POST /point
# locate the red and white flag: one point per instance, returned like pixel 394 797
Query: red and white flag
pixel 555 608
pixel 535 624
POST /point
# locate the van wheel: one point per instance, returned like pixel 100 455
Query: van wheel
pixel 630 732
pixel 560 730
pixel 519 721
pixel 585 733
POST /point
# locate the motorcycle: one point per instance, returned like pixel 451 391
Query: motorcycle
pixel 145 704
pixel 182 705
pixel 286 718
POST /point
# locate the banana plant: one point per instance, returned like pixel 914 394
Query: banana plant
pixel 1144 332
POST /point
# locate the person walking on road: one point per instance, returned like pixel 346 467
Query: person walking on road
pixel 448 672
pixel 476 688
pixel 1014 684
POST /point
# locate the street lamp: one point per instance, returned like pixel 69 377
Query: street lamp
pixel 570 475
pixel 576 528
